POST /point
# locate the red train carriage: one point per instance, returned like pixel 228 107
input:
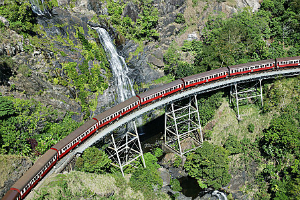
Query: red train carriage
pixel 32 176
pixel 205 77
pixel 251 67
pixel 161 91
pixel 288 62
pixel 117 111
pixel 74 138
pixel 45 163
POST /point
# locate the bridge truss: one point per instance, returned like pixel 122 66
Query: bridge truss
pixel 242 92
pixel 167 100
pixel 125 149
pixel 182 127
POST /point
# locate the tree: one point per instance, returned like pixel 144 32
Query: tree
pixel 93 160
pixel 6 107
pixel 144 179
pixel 281 137
pixel 233 145
pixel 210 165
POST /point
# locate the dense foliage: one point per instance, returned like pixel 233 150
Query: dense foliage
pixel 19 15
pixel 146 179
pixel 272 32
pixel 83 80
pixel 209 165
pixel 141 29
pixel 208 104
pixel 93 160
pixel 28 127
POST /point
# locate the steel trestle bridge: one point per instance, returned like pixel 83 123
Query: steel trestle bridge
pixel 203 88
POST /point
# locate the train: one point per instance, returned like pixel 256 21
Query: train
pixel 22 187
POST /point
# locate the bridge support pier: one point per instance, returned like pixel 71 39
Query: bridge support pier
pixel 182 127
pixel 241 93
pixel 125 149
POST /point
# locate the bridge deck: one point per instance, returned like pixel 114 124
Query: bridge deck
pixel 166 100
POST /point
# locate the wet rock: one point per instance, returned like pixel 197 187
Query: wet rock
pixel 131 11
pixel 11 43
pixel 4 21
pixel 209 197
pixel 15 167
pixel 63 2
pixel 155 61
pixel 165 175
pixel 139 69
pixel 192 36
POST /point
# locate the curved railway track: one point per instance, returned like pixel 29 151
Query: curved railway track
pixel 203 88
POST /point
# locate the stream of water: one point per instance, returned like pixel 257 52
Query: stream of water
pixel 118 67
pixel 38 8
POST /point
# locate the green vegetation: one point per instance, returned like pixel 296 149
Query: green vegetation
pixel 19 15
pixel 28 128
pixel 272 32
pixel 175 185
pixel 11 164
pixel 177 161
pixel 158 152
pixel 93 160
pixel 82 185
pixel 208 104
pixel 142 29
pixel 233 145
pixel 209 165
pixel 86 81
pixel 145 179
pixel 180 18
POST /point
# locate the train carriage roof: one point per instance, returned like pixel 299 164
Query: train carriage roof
pixel 38 165
pixel 69 138
pixel 251 64
pixel 204 74
pixel 116 108
pixel 160 88
pixel 289 58
pixel 10 194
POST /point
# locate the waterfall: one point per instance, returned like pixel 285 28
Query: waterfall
pixel 220 195
pixel 118 66
pixel 39 7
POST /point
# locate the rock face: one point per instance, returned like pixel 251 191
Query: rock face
pixel 14 168
pixel 145 65
pixel 4 21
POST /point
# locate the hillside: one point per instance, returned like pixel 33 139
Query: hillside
pixel 55 74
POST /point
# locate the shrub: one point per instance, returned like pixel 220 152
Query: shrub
pixel 175 185
pixel 209 164
pixel 93 160
pixel 178 161
pixel 233 145
pixel 158 152
pixel 180 18
pixel 251 128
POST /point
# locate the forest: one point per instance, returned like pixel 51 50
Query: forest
pixel 29 128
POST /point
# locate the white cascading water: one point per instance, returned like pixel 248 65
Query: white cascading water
pixel 36 7
pixel 118 66
pixel 219 194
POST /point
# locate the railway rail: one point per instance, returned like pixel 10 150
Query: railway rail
pixel 106 122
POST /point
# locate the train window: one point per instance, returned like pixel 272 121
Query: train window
pixel 296 61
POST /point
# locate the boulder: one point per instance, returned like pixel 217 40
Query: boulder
pixel 4 21
pixel 155 61
pixel 165 175
pixel 131 11
pixel 192 36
